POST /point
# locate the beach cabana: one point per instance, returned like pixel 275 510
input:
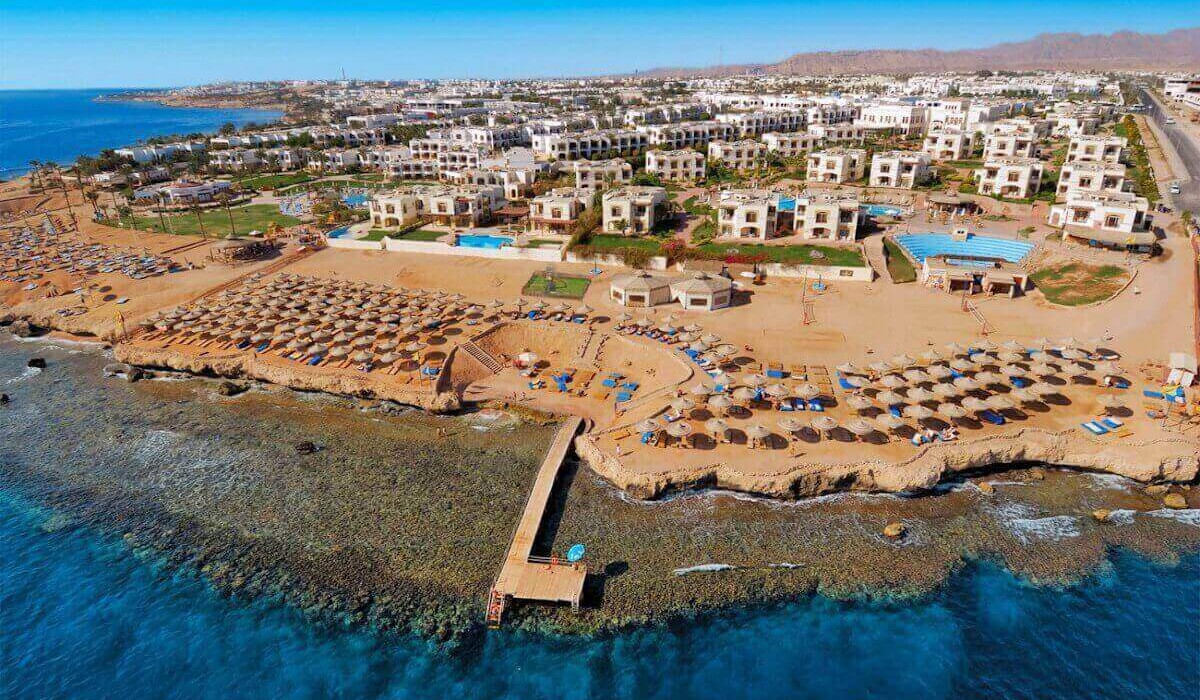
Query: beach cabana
pixel 639 289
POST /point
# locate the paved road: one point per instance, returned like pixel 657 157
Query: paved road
pixel 1189 153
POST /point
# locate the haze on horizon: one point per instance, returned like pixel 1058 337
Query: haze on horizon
pixel 60 44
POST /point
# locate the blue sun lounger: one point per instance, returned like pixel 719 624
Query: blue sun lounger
pixel 845 384
pixel 623 396
pixel 895 411
pixel 262 347
pixel 992 417
pixel 243 345
pixel 1111 423
pixel 315 360
pixel 1095 428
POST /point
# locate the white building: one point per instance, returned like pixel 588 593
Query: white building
pixel 231 159
pixel 750 124
pixel 1122 212
pixel 556 210
pixel 1014 178
pixel 601 174
pixel 833 134
pixel 396 208
pixel 901 118
pixel 903 169
pixel 949 143
pixel 683 165
pixel 590 144
pixel 791 145
pixel 830 216
pixel 1009 145
pixel 688 134
pixel 763 215
pixel 634 209
pixel 1091 177
pixel 184 191
pixel 746 154
pixel 749 214
pixel 1096 149
pixel 837 165
pixel 333 160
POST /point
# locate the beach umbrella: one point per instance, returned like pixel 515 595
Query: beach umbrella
pixel 986 378
pixel 962 365
pixel 807 391
pixel 889 422
pixel 316 349
pixel 339 351
pixel 880 366
pixel 916 376
pixel 939 371
pixel 1110 400
pixel 1068 342
pixel 848 368
pixel 824 423
pixel 415 347
pixel 902 360
pixel 1107 368
pixel 951 410
pixel 711 338
pixel 685 337
pixel 999 402
pixel 859 403
pixel 726 350
pixel 699 346
pixel 755 380
pixel 679 429
pixel 955 349
pixel 744 393
pixel 1072 354
pixel 626 316
pixel 932 355
pixel 584 310
pixel 891 381
pixel 944 390
pixel 720 401
pixel 889 398
pixel 716 426
pixel 777 390
pixel 682 404
pixel 856 382
pixel 692 328
pixel 918 394
pixel 1012 346
pixel 1023 395
pixel 918 411
pixel 699 390
pixel 647 426
pixel 790 424
pixel 1011 356
pixel 1073 369
pixel 1041 389
pixel 966 384
pixel 985 345
pixel 362 356
pixel 860 427
pixel 973 404
pixel 1042 369
pixel 757 431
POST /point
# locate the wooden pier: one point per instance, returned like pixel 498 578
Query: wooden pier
pixel 524 576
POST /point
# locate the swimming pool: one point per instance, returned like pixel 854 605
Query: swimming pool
pixel 787 204
pixel 483 241
pixel 924 245
pixel 355 200
pixel 882 210
pixel 338 232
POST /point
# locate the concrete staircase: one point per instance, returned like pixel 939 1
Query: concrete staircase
pixel 483 356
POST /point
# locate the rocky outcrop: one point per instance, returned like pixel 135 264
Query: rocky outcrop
pixel 243 366
pixel 1166 460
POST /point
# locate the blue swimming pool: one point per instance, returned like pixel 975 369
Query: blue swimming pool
pixel 787 204
pixel 882 210
pixel 480 241
pixel 923 245
pixel 355 200
pixel 338 232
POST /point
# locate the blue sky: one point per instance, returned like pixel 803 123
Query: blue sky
pixel 108 43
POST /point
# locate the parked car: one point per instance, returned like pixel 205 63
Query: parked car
pixel 1175 188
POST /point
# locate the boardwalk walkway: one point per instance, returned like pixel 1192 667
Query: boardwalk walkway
pixel 524 576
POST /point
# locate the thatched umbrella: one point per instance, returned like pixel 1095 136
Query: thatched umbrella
pixel 918 411
pixel 945 390
pixel 415 347
pixel 889 422
pixel 966 384
pixel 932 355
pixel 339 351
pixel 720 401
pixel 1012 346
pixel 1074 369
pixel 717 428
pixel 1011 357
pixel 856 382
pixel 889 398
pixel 1072 354
pixel 859 403
pixel 962 365
pixel 880 366
pixel 1000 402
pixel 986 378
pixel 1042 369
pixel 698 346
pixel 1107 368
pixel 860 427
pixel 756 432
pixel 699 390
pixel 316 349
pixel 955 349
pixel 848 368
pixel 951 410
pixel 1068 342
pixel 891 381
pixel 726 350
pixel 711 338
pixel 790 424
pixel 916 376
pixel 584 310
pixel 1023 395
pixel 755 380
pixel 973 404
pixel 647 426
pixel 985 345
pixel 744 393
pixel 918 394
pixel 824 423
pixel 777 391
pixel 807 391
pixel 362 356
pixel 902 360
pixel 1111 401
pixel 939 371
pixel 680 429
pixel 682 404
pixel 1041 389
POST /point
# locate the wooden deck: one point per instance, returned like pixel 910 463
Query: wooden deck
pixel 542 579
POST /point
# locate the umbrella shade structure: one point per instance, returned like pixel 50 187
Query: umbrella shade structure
pixel 848 368
pixel 856 382
pixel 647 426
pixel 889 398
pixel 1107 368
pixel 920 394
pixel 755 380
pixel 986 378
pixel 1074 369
pixel 679 429
pixel 951 410
pixel 955 349
pixel 757 431
pixel 726 350
pixel 891 381
pixel 859 403
pixel 716 426
pixel 917 411
pixel 584 310
pixel 415 347
pixel 744 393
pixel 860 427
pixel 699 390
pixel 1000 402
pixel 902 360
pixel 710 338
pixel 916 376
pixel 683 403
pixel 720 401
pixel 777 391
pixel 1013 371
pixel 945 390
pixel 1068 342
pixel 1012 346
pixel 807 391
pixel 939 372
pixel 932 355
pixel 973 404
pixel 985 345
pixel 1042 369
pixel 1072 354
pixel 889 422
pixel 316 349
pixel 880 366
pixel 388 358
pixel 962 365
pixel 1011 357
pixel 1043 389
pixel 1111 401
pixel 824 423
pixel 790 424
pixel 699 346
pixel 966 383
pixel 1023 395
pixel 362 356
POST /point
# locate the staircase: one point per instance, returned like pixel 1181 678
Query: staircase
pixel 984 326
pixel 484 357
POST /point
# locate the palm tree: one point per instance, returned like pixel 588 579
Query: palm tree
pixel 223 199
pixel 200 220
pixel 35 167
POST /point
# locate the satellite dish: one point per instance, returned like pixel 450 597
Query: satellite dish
pixel 575 553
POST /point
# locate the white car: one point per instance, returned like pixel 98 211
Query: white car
pixel 1175 188
pixel 1170 120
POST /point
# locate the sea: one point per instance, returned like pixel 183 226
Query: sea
pixel 60 125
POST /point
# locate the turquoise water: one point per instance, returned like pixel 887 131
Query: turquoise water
pixel 355 200
pixel 83 617
pixel 338 232
pixel 923 245
pixel 882 210
pixel 483 241
pixel 60 125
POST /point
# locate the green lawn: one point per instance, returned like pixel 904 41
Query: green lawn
pixel 792 254
pixel 253 217
pixel 691 207
pixel 421 235
pixel 376 234
pixel 1078 284
pixel 606 242
pixel 543 243
pixel 900 269
pixel 275 181
pixel 567 287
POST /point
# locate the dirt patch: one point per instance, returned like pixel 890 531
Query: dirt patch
pixel 1079 284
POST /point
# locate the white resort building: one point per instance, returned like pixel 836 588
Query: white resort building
pixel 633 209
pixel 792 144
pixel 747 214
pixel 837 165
pixel 1010 145
pixel 683 165
pixel 738 155
pixel 601 174
pixel 949 143
pixel 1096 149
pixel 1091 177
pixel 1014 178
pixel 903 169
pixel 556 210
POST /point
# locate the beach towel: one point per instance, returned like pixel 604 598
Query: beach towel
pixel 1095 428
